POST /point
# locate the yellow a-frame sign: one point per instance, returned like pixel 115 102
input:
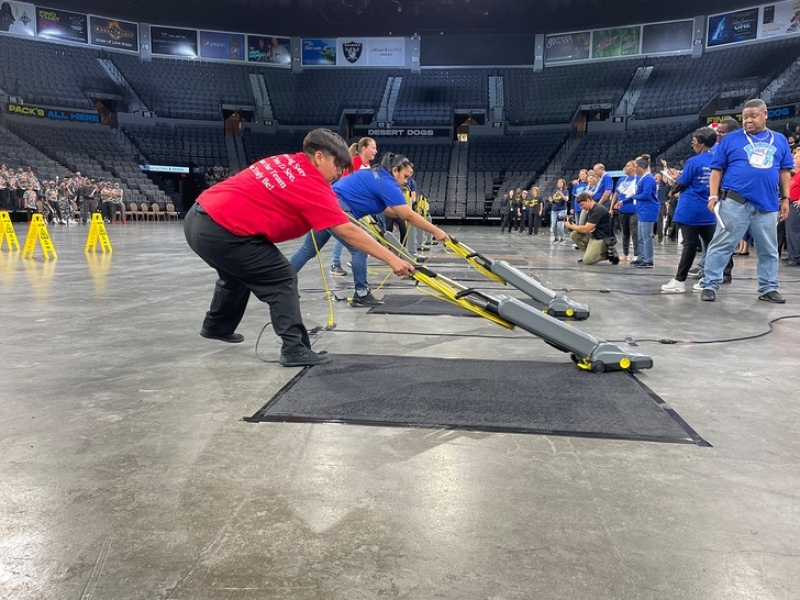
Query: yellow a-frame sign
pixel 8 236
pixel 98 233
pixel 38 233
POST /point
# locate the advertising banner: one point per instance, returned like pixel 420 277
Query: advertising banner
pixel 781 18
pixel 169 41
pixel 733 27
pixel 371 52
pixel 788 111
pixel 61 25
pixel 667 38
pixel 18 18
pixel 566 47
pixel 113 33
pixel 269 49
pixel 318 52
pixel 40 112
pixel 613 43
pixel 223 46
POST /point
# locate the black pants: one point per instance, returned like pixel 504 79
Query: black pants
pixel 534 223
pixel 244 265
pixel 505 222
pixel 692 234
pixel 630 231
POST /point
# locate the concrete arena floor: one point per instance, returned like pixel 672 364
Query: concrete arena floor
pixel 128 473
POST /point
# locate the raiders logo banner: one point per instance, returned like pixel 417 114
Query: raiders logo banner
pixel 371 52
pixel 352 51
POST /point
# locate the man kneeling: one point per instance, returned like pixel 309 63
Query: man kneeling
pixel 594 236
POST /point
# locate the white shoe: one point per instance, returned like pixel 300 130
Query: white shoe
pixel 696 287
pixel 634 259
pixel 674 287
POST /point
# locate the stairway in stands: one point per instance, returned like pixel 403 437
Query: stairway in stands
pixel 456 195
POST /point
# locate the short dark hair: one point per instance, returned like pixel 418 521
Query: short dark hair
pixel 330 143
pixel 391 161
pixel 584 196
pixel 755 103
pixel 706 136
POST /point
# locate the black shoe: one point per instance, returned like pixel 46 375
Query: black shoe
pixel 304 358
pixel 708 295
pixel 696 273
pixel 368 300
pixel 644 265
pixel 614 260
pixel 231 338
pixel 727 279
pixel 791 263
pixel 773 297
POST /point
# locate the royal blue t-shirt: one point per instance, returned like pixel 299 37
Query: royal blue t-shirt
pixel 692 206
pixel 369 192
pixel 751 165
pixel 606 183
pixel 623 186
pixel 577 189
pixel 646 197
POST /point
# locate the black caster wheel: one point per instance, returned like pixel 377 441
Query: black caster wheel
pixel 598 367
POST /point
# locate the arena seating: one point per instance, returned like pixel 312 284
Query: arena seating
pixel 682 85
pixel 96 151
pixel 318 96
pixel 554 94
pixel 16 152
pixel 201 145
pixel 55 74
pixel 429 97
pixel 258 145
pixel 185 89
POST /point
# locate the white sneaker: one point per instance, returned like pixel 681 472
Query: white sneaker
pixel 696 287
pixel 674 287
pixel 634 259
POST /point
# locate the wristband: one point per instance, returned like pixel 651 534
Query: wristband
pixel 713 197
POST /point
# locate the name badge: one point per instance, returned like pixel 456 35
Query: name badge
pixel 760 155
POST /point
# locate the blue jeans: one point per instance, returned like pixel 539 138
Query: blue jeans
pixel 645 246
pixel 359 261
pixel 558 226
pixel 764 229
pixel 337 253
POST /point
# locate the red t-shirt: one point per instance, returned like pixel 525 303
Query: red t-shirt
pixel 794 188
pixel 281 197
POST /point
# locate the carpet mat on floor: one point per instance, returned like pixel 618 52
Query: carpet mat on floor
pixel 477 395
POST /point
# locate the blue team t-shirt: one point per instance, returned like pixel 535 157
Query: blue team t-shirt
pixel 751 165
pixel 623 187
pixel 692 206
pixel 369 192
pixel 577 189
pixel 606 183
pixel 646 197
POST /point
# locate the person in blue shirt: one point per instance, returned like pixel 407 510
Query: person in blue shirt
pixel 626 210
pixel 558 211
pixel 369 192
pixel 645 198
pixel 605 187
pixel 752 167
pixel 578 186
pixel 691 213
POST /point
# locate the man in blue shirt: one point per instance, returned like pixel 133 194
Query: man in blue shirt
pixel 751 166
pixel 605 187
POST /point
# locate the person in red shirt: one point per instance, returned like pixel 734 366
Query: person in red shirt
pixel 793 220
pixel 235 225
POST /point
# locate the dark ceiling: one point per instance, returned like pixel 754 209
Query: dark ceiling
pixel 398 17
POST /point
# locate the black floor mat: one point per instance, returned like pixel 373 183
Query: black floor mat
pixel 499 396
pixel 425 305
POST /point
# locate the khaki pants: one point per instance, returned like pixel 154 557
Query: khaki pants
pixel 593 250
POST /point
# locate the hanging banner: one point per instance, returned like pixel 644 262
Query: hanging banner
pixel 613 43
pixel 18 18
pixel 54 114
pixel 667 38
pixel 566 47
pixel 113 33
pixel 222 46
pixel 733 27
pixel 169 41
pixel 781 18
pixel 371 52
pixel 319 52
pixel 269 49
pixel 62 25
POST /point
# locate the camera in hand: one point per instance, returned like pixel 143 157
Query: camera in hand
pixel 611 250
pixel 562 218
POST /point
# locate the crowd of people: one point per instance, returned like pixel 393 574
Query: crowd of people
pixel 215 174
pixel 65 200
pixel 741 189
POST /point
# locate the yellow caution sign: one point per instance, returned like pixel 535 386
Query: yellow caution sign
pixel 98 233
pixel 9 235
pixel 38 233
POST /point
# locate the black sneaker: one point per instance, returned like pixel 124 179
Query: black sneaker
pixel 304 358
pixel 708 295
pixel 773 297
pixel 368 300
pixel 727 279
pixel 695 273
pixel 231 338
pixel 338 271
